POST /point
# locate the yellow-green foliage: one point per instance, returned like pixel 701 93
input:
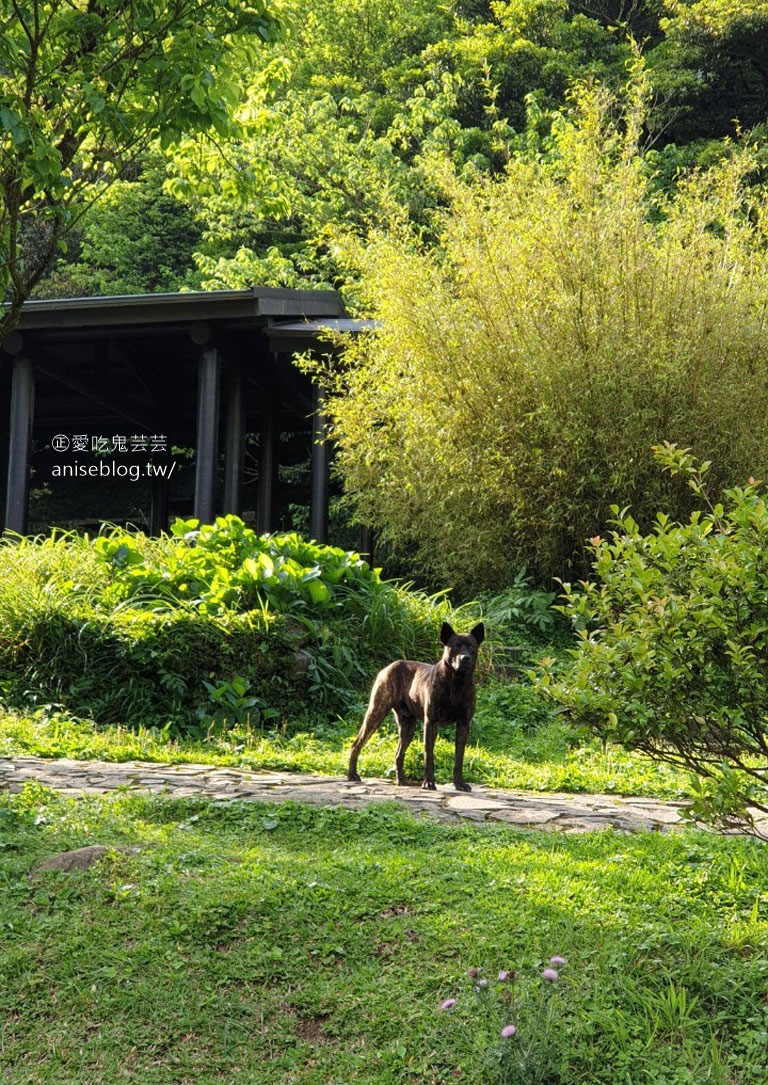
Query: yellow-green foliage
pixel 571 317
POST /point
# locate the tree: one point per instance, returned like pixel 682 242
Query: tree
pixel 338 113
pixel 571 317
pixel 337 118
pixel 711 68
pixel 138 240
pixel 348 106
pixel 85 87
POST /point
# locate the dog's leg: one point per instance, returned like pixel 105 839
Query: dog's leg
pixel 462 734
pixel 430 734
pixel 406 725
pixel 378 707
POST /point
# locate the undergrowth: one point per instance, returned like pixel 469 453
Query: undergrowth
pixel 125 628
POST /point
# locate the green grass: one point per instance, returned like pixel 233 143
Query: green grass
pixel 516 743
pixel 259 944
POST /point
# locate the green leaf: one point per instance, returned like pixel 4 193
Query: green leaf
pixel 319 592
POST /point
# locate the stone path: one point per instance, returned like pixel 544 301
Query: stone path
pixel 526 809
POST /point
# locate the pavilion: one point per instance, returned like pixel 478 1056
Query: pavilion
pixel 200 370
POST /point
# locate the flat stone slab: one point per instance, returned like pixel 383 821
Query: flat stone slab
pixel 558 811
pixel 524 817
pixel 79 859
pixel 473 803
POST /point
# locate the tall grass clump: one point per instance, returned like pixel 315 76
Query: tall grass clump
pixel 571 315
pixel 208 624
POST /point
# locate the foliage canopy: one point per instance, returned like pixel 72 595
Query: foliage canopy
pixel 336 118
pixel 85 88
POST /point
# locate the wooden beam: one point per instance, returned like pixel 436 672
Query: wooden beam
pixel 365 543
pixel 158 507
pixel 269 435
pixel 234 438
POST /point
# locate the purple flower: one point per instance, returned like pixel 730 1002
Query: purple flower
pixel 550 974
pixel 507 1031
pixel 557 960
pixel 482 983
pixel 503 976
pixel 474 972
pixel 448 1003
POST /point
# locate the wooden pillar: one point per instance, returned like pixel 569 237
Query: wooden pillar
pixel 365 543
pixel 20 444
pixel 234 439
pixel 207 447
pixel 158 507
pixel 318 505
pixel 5 429
pixel 269 435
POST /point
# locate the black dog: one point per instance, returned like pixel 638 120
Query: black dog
pixel 438 693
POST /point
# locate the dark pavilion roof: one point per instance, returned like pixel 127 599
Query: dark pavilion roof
pixel 102 359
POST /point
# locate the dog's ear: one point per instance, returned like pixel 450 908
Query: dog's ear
pixel 478 632
pixel 446 632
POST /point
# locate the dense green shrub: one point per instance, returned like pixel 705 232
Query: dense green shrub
pixel 572 316
pixel 209 619
pixel 227 566
pixel 521 610
pixel 672 656
pixel 149 666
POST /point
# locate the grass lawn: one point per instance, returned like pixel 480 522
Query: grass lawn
pixel 254 944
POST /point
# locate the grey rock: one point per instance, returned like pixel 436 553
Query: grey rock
pixel 79 859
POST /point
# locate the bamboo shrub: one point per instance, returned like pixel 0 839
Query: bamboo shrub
pixel 571 317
